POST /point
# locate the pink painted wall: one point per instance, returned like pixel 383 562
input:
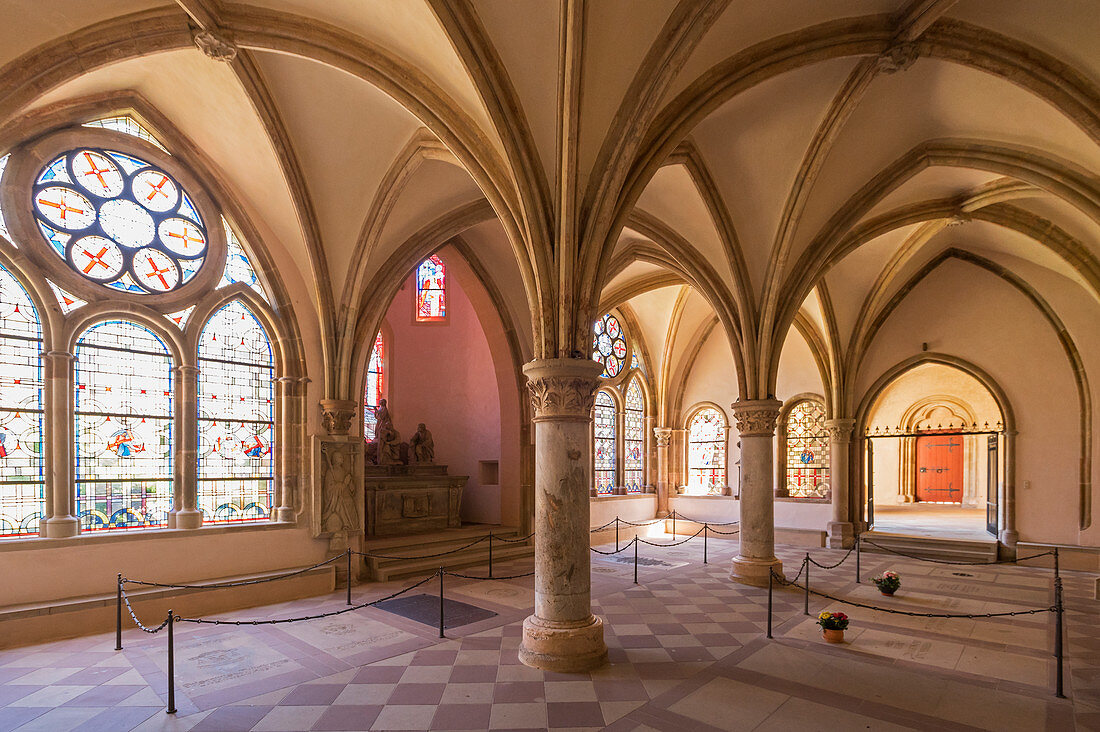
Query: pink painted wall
pixel 443 374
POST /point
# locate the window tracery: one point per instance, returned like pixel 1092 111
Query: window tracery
pixel 807 451
pixel 634 439
pixel 604 448
pixel 609 345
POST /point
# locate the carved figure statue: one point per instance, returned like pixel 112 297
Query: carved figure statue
pixel 387 440
pixel 340 514
pixel 422 446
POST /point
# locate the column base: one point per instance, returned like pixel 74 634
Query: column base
pixel 841 535
pixel 563 647
pixel 285 514
pixel 185 518
pixel 60 527
pixel 749 571
pixel 1009 537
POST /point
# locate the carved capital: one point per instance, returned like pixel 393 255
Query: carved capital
pixel 563 388
pixel 336 415
pixel 897 57
pixel 756 418
pixel 840 430
pixel 664 436
pixel 215 45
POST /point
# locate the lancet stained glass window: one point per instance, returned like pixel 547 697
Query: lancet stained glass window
pixel 431 290
pixel 807 451
pixel 372 392
pixel 123 427
pixel 21 484
pixel 604 449
pixel 609 345
pixel 634 438
pixel 236 398
pixel 706 452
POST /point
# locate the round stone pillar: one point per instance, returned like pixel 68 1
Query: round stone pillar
pixel 664 436
pixel 756 555
pixel 841 533
pixel 61 520
pixel 563 635
pixel 185 513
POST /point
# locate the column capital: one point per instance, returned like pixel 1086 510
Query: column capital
pixel 337 414
pixel 664 436
pixel 757 417
pixel 57 355
pixel 840 430
pixel 187 369
pixel 563 388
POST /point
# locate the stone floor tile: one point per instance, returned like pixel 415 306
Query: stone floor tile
pixel 404 717
pixel 290 719
pixel 529 715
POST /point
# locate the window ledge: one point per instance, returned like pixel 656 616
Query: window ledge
pixel 627 497
pixel 90 539
pixel 819 501
pixel 705 496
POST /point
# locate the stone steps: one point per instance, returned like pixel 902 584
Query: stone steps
pixel 927 547
pixel 417 551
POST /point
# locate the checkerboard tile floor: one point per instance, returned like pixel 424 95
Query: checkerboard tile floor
pixel 686 647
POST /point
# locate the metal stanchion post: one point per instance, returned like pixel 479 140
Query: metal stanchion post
pixel 1057 573
pixel 771 581
pixel 441 602
pixel 857 559
pixel 673 524
pixel 349 575
pixel 806 598
pixel 635 559
pixel 704 543
pixel 1058 630
pixel 490 553
pixel 118 615
pixel 171 667
pixel 616 533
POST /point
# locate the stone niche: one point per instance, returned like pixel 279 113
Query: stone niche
pixel 410 499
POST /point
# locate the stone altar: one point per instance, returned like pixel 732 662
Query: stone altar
pixel 408 499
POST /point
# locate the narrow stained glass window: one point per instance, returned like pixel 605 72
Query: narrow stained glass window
pixel 609 345
pixel 21 485
pixel 633 438
pixel 706 452
pixel 605 442
pixel 807 451
pixel 236 417
pixel 123 427
pixel 238 268
pixel 431 290
pixel 372 394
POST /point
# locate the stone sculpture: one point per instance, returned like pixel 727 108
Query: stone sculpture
pixel 340 511
pixel 422 446
pixel 387 440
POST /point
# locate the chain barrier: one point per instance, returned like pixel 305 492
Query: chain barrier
pixel 472 577
pixel 617 551
pixel 832 566
pixel 678 543
pixel 514 541
pixel 722 533
pixel 963 564
pixel 138 623
pixel 241 583
pixel 475 542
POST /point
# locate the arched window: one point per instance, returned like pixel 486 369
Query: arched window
pixel 431 290
pixel 236 420
pixel 807 451
pixel 604 448
pixel 123 425
pixel 706 452
pixel 21 485
pixel 609 345
pixel 634 438
pixel 372 394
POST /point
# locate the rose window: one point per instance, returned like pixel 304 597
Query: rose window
pixel 119 221
pixel 609 345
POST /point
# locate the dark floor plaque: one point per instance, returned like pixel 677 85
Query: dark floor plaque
pixel 425 609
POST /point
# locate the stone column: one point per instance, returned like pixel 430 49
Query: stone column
pixel 664 436
pixel 756 554
pixel 288 432
pixel 649 423
pixel 563 635
pixel 61 518
pixel 841 532
pixel 1009 535
pixel 185 513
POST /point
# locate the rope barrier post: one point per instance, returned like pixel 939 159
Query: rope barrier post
pixel 771 582
pixel 857 558
pixel 616 533
pixel 806 599
pixel 635 559
pixel 490 553
pixel 171 667
pixel 118 614
pixel 1058 629
pixel 704 543
pixel 349 575
pixel 441 602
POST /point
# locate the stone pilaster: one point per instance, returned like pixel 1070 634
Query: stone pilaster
pixel 185 513
pixel 337 414
pixel 756 555
pixel 292 390
pixel 563 635
pixel 61 519
pixel 841 532
pixel 664 437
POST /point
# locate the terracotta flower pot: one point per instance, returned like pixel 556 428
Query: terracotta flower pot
pixel 832 635
pixel 888 593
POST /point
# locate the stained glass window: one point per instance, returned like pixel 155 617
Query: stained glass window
pixel 372 394
pixel 238 268
pixel 609 345
pixel 119 221
pixel 706 452
pixel 123 427
pixel 236 417
pixel 605 442
pixel 3 227
pixel 21 485
pixel 634 438
pixel 431 289
pixel 126 125
pixel 807 451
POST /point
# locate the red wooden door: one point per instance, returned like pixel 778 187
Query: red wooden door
pixel 940 468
